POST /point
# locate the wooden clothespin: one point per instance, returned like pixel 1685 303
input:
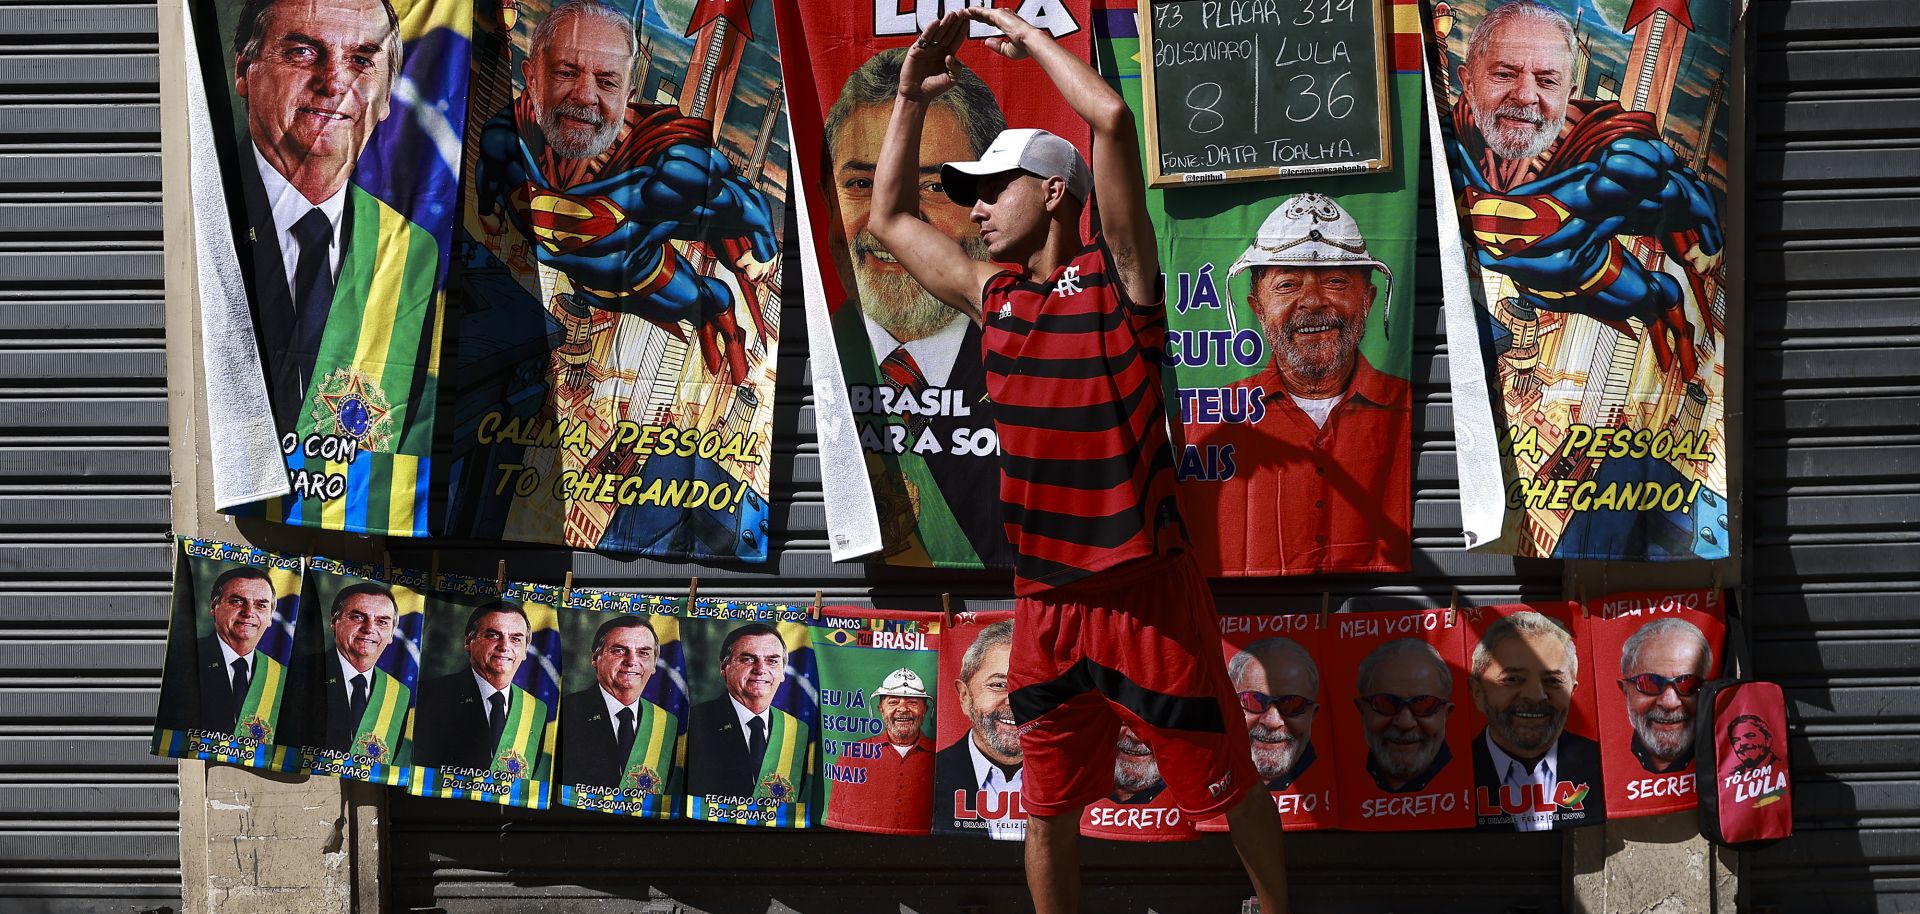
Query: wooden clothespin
pixel 433 568
pixel 386 562
pixel 946 612
pixel 819 603
pixel 1716 579
pixel 566 588
pixel 1453 604
pixel 693 591
pixel 500 578
pixel 1326 607
pixel 1581 594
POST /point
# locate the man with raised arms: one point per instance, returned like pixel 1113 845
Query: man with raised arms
pixel 1114 623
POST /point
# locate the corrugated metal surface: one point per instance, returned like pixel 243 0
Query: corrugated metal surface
pixel 88 820
pixel 1834 472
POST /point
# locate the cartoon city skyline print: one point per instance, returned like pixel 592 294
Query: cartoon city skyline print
pixel 1587 144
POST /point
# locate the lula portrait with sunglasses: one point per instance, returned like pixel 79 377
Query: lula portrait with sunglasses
pixel 1277 685
pixel 1403 687
pixel 1661 669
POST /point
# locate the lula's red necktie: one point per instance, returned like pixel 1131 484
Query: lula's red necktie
pixel 904 376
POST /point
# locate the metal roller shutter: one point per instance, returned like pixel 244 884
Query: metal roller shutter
pixel 1834 472
pixel 88 820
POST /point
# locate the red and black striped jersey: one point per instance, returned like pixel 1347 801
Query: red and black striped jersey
pixel 1086 466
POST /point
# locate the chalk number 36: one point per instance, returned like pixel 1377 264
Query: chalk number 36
pixel 1309 100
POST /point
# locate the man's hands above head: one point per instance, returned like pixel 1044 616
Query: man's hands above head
pixel 1118 180
pixel 931 67
pixel 1012 42
pixel 934 260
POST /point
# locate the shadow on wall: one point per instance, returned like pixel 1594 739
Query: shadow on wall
pixel 590 864
pixel 1832 613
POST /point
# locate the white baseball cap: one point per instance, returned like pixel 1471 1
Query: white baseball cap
pixel 1027 149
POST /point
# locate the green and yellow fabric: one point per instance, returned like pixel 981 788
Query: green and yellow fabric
pixel 361 453
pixel 385 719
pixel 650 765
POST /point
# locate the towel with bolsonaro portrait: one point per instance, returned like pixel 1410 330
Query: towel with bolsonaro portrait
pixel 330 128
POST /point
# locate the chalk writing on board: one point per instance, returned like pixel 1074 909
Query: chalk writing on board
pixel 1247 89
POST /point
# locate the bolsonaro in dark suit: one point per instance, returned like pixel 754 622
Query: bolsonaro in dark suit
pixel 214 706
pixel 327 718
pixel 718 763
pixel 590 751
pixel 451 725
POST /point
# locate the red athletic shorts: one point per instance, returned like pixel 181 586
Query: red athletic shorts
pixel 1139 646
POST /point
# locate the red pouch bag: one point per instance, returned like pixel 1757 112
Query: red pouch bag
pixel 1743 725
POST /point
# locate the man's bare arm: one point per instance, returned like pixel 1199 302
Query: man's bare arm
pixel 1118 181
pixel 934 260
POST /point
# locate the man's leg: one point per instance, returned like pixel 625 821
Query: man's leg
pixel 1255 828
pixel 1068 764
pixel 1068 734
pixel 1163 634
pixel 1053 861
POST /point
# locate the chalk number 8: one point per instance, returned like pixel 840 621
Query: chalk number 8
pixel 1203 111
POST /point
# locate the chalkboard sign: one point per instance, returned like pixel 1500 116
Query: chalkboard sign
pixel 1244 90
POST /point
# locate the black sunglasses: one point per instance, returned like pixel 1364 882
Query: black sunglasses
pixel 1684 685
pixel 1387 704
pixel 1290 705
